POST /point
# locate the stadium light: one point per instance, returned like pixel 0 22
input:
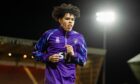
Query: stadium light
pixel 106 18
pixel 24 56
pixel 9 54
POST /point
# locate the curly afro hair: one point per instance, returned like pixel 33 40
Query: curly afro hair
pixel 59 11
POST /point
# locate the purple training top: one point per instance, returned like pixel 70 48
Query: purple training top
pixel 52 42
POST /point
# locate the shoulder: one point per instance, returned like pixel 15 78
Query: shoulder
pixel 80 36
pixel 77 33
pixel 46 35
pixel 50 31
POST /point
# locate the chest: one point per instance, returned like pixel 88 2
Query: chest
pixel 60 40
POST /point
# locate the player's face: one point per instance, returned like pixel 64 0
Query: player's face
pixel 67 22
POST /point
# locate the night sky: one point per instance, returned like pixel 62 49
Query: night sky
pixel 30 18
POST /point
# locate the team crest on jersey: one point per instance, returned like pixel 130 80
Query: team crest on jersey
pixel 57 40
pixel 75 41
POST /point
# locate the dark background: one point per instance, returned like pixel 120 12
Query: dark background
pixel 30 18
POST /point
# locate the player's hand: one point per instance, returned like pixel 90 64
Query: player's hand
pixel 54 58
pixel 69 49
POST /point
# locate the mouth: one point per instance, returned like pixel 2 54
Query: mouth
pixel 70 26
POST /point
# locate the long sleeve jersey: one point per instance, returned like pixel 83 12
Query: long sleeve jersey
pixel 52 42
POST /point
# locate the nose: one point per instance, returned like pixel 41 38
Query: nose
pixel 70 21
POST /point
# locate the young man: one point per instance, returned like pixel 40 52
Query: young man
pixel 62 48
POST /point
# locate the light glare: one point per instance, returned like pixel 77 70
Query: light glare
pixel 24 56
pixel 105 17
pixel 9 54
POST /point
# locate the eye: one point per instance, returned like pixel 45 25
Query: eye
pixel 73 19
pixel 67 18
